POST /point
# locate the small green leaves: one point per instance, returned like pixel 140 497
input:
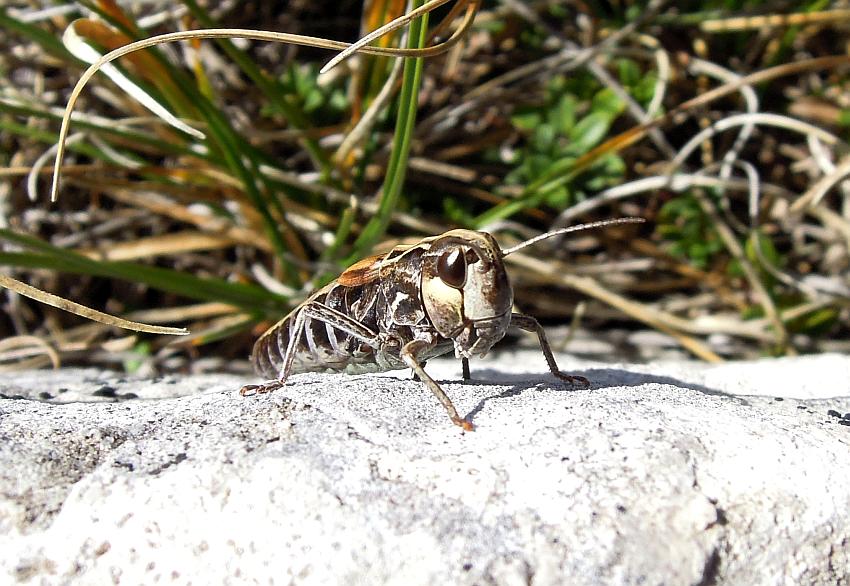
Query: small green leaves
pixel 576 117
pixel 689 232
pixel 302 88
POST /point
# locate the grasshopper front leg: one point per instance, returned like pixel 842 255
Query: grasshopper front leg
pixel 529 324
pixel 408 354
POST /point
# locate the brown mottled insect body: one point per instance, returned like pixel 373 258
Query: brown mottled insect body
pixel 323 347
pixel 397 310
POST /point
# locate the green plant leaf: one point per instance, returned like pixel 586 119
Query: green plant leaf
pixel 526 119
pixel 607 102
pixel 405 121
pixel 589 131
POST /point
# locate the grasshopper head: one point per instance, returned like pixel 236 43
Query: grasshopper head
pixel 465 287
pixel 465 290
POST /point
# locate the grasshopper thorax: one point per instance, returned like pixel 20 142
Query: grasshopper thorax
pixel 465 290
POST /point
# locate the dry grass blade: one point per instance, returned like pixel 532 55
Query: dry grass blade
pixel 136 196
pixel 742 23
pixel 17 347
pixel 633 135
pixel 184 313
pixel 817 191
pixel 83 311
pixel 164 245
pixel 391 26
pixel 228 34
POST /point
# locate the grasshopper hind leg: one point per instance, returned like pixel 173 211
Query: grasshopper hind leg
pixel 271 357
pixel 266 387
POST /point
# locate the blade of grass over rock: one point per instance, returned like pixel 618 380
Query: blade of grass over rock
pixel 248 297
pixel 83 311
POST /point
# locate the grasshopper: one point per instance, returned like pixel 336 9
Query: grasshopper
pixel 399 309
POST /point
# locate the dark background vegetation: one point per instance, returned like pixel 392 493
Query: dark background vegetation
pixel 521 127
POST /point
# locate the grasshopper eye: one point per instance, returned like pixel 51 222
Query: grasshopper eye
pixel 451 268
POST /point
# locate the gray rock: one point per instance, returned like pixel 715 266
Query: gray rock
pixel 674 473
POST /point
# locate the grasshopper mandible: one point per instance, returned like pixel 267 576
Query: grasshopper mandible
pixel 399 309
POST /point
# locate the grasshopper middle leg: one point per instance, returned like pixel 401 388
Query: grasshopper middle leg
pixel 465 366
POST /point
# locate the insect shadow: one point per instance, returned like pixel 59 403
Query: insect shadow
pixel 600 378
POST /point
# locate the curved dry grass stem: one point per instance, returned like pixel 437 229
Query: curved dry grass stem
pixel 82 310
pixel 41 161
pixel 678 183
pixel 25 341
pixel 364 125
pixel 633 135
pixel 255 35
pixel 79 48
pixel 754 237
pixel 702 67
pixel 816 192
pixel 379 32
pixel 662 67
pixel 737 251
pixel 757 118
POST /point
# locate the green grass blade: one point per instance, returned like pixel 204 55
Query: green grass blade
pixel 129 135
pixel 248 297
pixel 269 87
pixel 47 256
pixel 48 41
pixel 405 122
pixel 48 137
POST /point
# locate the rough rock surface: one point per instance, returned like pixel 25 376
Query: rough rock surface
pixel 658 474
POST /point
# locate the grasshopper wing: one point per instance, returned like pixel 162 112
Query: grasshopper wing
pixel 362 272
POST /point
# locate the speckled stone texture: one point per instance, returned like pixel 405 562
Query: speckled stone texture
pixel 674 473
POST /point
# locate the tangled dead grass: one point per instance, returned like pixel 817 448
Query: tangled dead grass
pixel 726 131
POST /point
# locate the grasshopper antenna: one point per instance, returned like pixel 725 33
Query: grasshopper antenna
pixel 578 228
